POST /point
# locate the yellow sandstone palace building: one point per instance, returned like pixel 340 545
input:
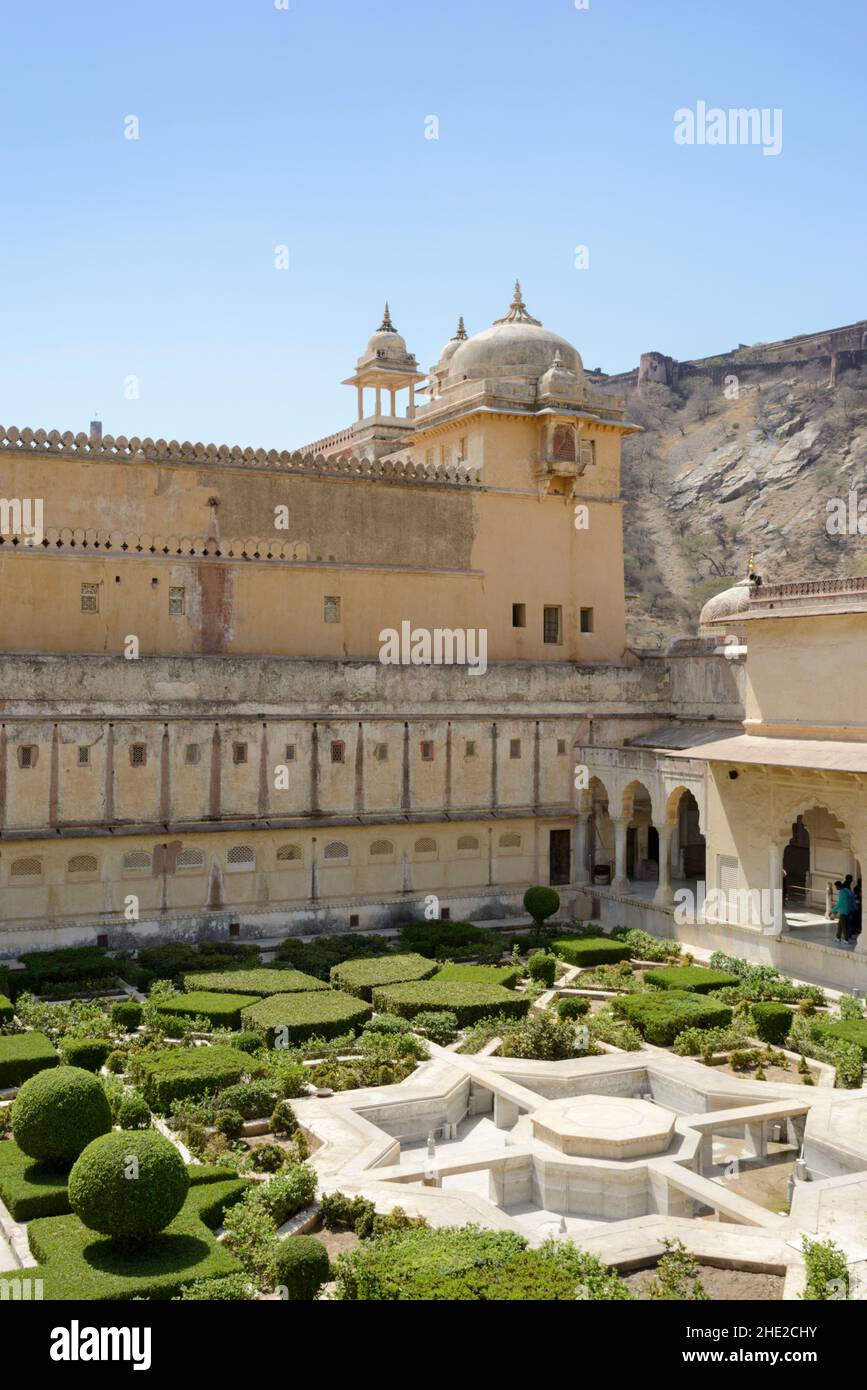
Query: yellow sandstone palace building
pixel 200 733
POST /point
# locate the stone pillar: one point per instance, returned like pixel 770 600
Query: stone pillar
pixel 506 1112
pixel 379 400
pixel 775 884
pixel 582 873
pixel 391 393
pixel 361 402
pixel 411 407
pixel 755 1134
pixel 620 881
pixel 664 895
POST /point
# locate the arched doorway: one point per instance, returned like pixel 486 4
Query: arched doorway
pixel 818 853
pixel 600 832
pixel 642 837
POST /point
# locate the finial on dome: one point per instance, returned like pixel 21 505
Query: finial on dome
pixel 460 332
pixel 387 326
pixel 518 310
pixel 751 567
pixel 558 360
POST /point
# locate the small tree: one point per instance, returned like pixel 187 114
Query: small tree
pixel 541 903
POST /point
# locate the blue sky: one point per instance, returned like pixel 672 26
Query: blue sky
pixel 305 127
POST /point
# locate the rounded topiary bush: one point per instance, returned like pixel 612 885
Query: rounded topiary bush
pixel 128 1184
pixel 542 968
pixel 58 1112
pixel 134 1113
pixel 248 1041
pixel 541 903
pixel 87 1053
pixel 573 1006
pixel 301 1267
pixel 126 1014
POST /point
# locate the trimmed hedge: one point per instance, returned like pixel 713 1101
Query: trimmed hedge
pixel 589 950
pixel 30 1189
pixel 468 1002
pixel 222 1010
pixel 362 977
pixel 660 1017
pixel 108 1199
pixel 22 1055
pixel 772 1021
pixel 190 1073
pixel 850 1030
pixel 317 957
pixel 74 1264
pixel 87 1053
pixel 7 1013
pixel 429 938
pixel 174 959
pixel 65 966
pixel 58 1112
pixel 507 976
pixel 697 979
pixel 323 1014
pixel 259 983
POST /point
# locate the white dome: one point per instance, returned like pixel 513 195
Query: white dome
pixel 514 346
pixel 727 604
pixel 386 341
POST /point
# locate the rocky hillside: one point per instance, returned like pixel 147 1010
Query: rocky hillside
pixel 723 472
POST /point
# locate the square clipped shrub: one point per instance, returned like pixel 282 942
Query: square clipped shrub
pixel 660 1017
pixel 321 1014
pixel 190 1073
pixel 259 983
pixel 432 938
pixel 772 1021
pixel 507 976
pixel 222 1010
pixel 22 1055
pixel 317 957
pixel 6 1010
pixel 589 950
pixel 63 967
pixel 695 978
pixel 175 958
pixel 467 1001
pixel 87 1053
pixel 30 1189
pixel 362 977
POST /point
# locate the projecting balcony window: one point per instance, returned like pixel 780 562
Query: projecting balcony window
pixel 552 625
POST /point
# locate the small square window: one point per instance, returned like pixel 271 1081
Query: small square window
pixel 83 755
pixel 177 599
pixel 519 615
pixel 332 609
pixel 445 914
pixel 514 748
pixel 90 598
pixel 380 752
pixel 354 919
pixel 561 748
pixel 586 619
pixel 239 753
pixel 338 751
pixel 27 755
pixel 552 625
pixel 192 753
pixel 234 928
pixel 290 752
pixel 471 748
pixel 427 750
pixel 138 754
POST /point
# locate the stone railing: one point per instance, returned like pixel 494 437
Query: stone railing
pixel 113 449
pixel 119 543
pixel 809 588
